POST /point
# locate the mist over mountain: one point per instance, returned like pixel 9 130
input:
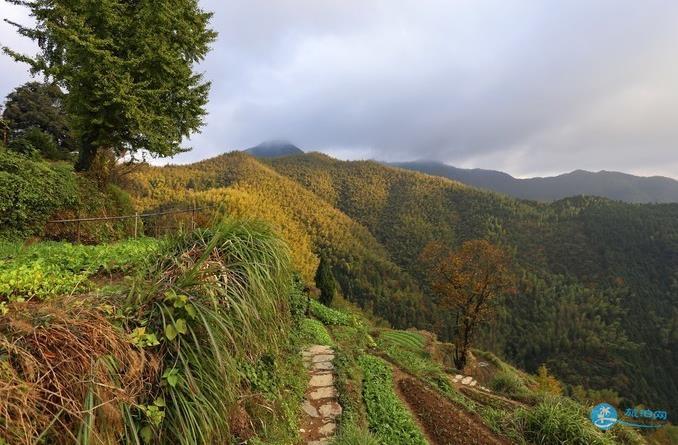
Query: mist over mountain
pixel 608 184
pixel 274 149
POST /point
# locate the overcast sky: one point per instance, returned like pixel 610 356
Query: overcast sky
pixel 529 87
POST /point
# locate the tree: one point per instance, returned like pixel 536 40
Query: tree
pixel 128 70
pixel 324 280
pixel 548 383
pixel 36 105
pixel 468 282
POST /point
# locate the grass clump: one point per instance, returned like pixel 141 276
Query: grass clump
pixel 388 418
pixel 221 300
pixel 558 420
pixel 353 435
pixel 508 383
pixel 69 375
pixel 314 332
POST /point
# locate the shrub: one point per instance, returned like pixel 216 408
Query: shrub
pixel 31 192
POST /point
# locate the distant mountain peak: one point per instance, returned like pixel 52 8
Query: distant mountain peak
pixel 274 149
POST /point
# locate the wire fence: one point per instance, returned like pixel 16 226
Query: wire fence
pixel 138 219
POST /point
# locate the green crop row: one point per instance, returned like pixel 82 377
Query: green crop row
pixel 409 340
pixel 329 316
pixel 53 268
pixel 387 416
pixel 315 332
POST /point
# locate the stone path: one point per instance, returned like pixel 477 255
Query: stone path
pixel 320 405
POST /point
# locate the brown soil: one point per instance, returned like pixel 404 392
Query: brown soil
pixel 445 422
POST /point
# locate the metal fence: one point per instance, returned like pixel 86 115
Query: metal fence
pixel 138 218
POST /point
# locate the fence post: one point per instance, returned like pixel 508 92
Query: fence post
pixel 193 217
pixel 136 224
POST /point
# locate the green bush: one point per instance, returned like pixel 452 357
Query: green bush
pixel 31 192
pixel 387 416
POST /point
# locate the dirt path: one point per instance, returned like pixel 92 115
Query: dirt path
pixel 320 405
pixel 443 422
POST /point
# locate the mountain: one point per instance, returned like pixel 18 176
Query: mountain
pixel 595 273
pixel 274 149
pixel 613 185
pixel 596 297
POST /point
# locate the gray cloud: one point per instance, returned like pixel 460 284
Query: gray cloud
pixel 531 87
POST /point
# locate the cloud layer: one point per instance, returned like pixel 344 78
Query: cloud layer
pixel 531 87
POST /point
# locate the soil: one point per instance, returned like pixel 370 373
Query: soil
pixel 444 422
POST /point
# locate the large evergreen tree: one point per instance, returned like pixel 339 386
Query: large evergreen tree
pixel 324 280
pixel 127 67
pixel 36 105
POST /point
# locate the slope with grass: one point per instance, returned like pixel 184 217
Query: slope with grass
pixel 196 347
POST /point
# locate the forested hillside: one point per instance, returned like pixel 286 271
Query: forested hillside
pixel 597 301
pixel 245 187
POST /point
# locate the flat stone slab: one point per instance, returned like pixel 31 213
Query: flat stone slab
pixel 319 349
pixel 466 380
pixel 323 366
pixel 473 383
pixel 327 429
pixel 319 442
pixel 325 392
pixel 309 409
pixel 331 410
pixel 322 358
pixel 321 380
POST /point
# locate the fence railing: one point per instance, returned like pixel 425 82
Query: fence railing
pixel 137 218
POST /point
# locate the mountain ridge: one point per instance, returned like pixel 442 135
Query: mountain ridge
pixel 604 183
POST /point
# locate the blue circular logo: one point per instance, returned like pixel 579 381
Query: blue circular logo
pixel 604 416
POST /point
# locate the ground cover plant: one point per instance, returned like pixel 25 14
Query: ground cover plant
pixel 388 418
pixel 56 268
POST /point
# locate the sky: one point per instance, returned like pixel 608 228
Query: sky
pixel 529 87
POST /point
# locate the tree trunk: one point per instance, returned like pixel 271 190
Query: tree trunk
pixel 86 156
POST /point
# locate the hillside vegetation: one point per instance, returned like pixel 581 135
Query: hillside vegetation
pixel 597 300
pixel 196 338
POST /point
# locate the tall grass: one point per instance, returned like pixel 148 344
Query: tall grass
pixel 221 298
